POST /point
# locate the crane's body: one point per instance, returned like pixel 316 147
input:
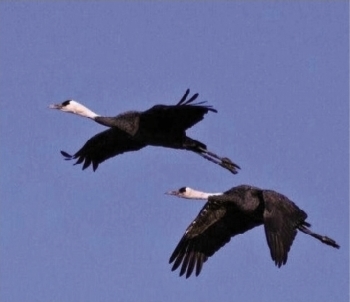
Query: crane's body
pixel 161 125
pixel 234 212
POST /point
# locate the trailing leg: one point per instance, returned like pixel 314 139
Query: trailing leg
pixel 323 239
pixel 201 150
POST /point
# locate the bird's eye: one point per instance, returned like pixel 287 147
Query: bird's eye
pixel 65 103
pixel 182 190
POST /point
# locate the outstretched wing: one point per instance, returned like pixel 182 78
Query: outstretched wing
pixel 175 118
pixel 281 219
pixel 102 146
pixel 214 226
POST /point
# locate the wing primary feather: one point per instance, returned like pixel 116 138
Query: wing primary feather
pixel 86 163
pixel 279 251
pixel 185 262
pixel 183 101
pixel 177 262
pixel 66 155
pixel 199 263
pixel 178 259
pixel 184 97
pixel 79 161
pixel 177 251
pixel 191 263
pixel 191 99
pixel 201 103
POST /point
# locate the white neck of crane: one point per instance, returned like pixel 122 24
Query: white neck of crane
pixel 79 109
pixel 195 194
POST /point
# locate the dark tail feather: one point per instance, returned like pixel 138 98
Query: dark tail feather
pixel 323 239
pixel 201 149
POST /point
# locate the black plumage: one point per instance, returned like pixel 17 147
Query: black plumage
pixel 234 212
pixel 161 125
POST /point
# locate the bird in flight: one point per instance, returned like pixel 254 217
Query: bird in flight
pixel 161 125
pixel 234 212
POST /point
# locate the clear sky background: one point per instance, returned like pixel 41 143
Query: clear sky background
pixel 277 72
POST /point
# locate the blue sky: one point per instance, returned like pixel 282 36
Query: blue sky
pixel 278 74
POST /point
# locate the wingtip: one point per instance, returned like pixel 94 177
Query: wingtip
pixel 66 155
pixel 94 165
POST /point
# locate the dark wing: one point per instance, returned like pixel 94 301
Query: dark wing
pixel 214 226
pixel 175 118
pixel 184 102
pixel 102 146
pixel 281 218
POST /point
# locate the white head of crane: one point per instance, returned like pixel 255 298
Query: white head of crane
pixel 189 193
pixel 74 107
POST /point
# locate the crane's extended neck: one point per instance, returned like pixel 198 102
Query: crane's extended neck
pixel 190 193
pixel 72 106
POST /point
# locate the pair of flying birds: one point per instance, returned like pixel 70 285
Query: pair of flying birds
pixel 225 214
